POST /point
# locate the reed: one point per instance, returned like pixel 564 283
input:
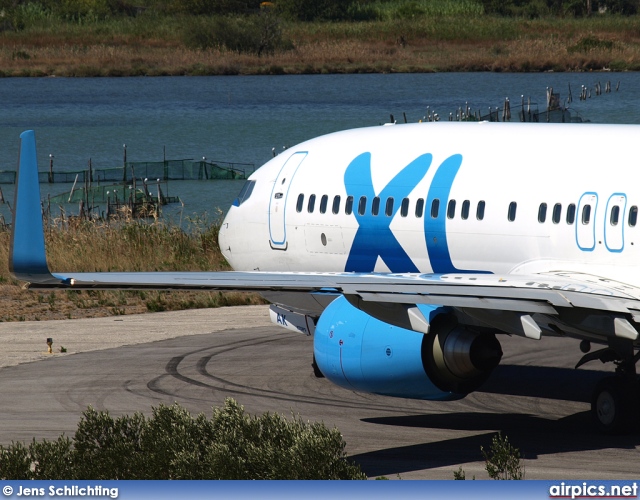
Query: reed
pixel 129 245
pixel 411 9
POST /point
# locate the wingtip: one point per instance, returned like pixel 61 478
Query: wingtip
pixel 28 134
pixel 27 254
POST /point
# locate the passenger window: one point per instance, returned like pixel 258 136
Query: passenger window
pixel 300 203
pixel 388 209
pixel 419 207
pixel 557 213
pixel 633 216
pixel 511 214
pixel 435 207
pixel 404 207
pixel 542 213
pixel 480 210
pixel 375 206
pixel 451 209
pixel 312 203
pixel 348 206
pixel 464 213
pixel 336 204
pixel 571 213
pixel 362 205
pixel 586 214
pixel 323 203
pixel 615 215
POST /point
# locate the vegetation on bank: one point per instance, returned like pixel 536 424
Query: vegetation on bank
pixel 125 245
pixel 197 37
pixel 172 444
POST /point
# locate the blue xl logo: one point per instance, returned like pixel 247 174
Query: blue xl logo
pixel 374 237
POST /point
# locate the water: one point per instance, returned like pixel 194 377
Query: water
pixel 240 119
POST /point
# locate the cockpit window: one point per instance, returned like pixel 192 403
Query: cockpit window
pixel 245 193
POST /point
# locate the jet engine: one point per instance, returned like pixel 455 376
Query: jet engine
pixel 358 352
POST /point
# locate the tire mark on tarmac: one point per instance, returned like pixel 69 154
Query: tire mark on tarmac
pixel 224 385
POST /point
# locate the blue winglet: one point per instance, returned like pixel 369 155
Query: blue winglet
pixel 27 260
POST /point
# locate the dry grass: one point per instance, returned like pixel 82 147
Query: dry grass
pixel 128 246
pixel 348 56
pixel 438 44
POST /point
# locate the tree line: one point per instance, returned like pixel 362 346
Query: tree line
pixel 313 10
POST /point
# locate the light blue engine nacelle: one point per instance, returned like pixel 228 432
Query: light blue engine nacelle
pixel 359 352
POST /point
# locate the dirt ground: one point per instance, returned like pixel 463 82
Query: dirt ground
pixel 20 304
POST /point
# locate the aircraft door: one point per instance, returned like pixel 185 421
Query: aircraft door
pixel 585 222
pixel 278 201
pixel 614 222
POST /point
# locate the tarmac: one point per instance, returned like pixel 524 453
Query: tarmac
pixel 198 358
pixel 26 341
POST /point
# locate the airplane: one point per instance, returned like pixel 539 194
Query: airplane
pixel 407 251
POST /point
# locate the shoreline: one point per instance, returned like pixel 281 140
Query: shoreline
pixel 278 67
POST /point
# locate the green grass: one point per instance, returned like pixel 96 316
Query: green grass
pixel 411 9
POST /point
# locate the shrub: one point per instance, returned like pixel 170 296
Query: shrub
pixel 209 7
pixel 315 10
pixel 624 7
pixel 84 10
pixel 172 444
pixel 257 34
pixel 589 43
pixel 503 461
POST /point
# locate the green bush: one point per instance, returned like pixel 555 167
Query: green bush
pixel 211 7
pixel 589 43
pixel 84 10
pixel 256 34
pixel 315 10
pixel 538 8
pixel 624 7
pixel 172 444
pixel 503 460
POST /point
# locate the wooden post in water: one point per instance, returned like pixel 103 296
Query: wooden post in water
pixel 166 165
pixel 73 188
pixel 124 164
pixel 50 168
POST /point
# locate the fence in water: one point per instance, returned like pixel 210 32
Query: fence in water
pixel 122 199
pixel 115 193
pixel 169 170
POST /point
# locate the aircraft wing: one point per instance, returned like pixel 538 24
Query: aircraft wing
pixel 516 297
pixel 532 294
pixel 508 302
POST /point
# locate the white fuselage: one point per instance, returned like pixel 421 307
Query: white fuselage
pixel 483 188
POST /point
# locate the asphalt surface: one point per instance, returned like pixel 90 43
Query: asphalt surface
pixel 199 358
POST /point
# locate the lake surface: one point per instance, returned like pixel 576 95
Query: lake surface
pixel 241 118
